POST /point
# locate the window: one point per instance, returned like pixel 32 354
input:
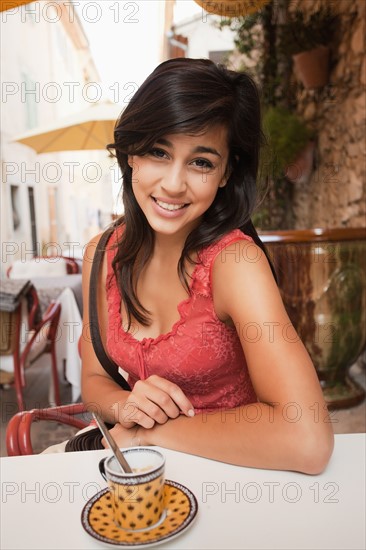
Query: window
pixel 31 13
pixel 32 212
pixel 14 193
pixel 30 101
pixel 61 42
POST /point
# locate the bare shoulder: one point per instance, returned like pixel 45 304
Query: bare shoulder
pixel 242 277
pixel 90 248
pixel 243 259
pixel 88 257
pixel 89 253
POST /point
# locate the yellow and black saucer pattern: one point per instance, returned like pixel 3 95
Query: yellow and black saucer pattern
pixel 180 510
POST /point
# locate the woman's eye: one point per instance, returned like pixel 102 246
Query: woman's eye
pixel 203 163
pixel 155 152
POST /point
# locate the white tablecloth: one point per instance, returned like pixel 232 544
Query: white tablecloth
pixel 239 508
pixel 70 330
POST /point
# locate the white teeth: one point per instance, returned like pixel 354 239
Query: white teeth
pixel 168 206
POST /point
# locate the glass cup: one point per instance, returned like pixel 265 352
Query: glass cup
pixel 137 498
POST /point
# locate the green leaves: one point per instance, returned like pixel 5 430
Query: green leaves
pixel 303 33
pixel 287 135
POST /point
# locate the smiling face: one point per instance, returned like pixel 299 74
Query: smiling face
pixel 177 180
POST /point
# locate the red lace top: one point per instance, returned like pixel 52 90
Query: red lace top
pixel 201 354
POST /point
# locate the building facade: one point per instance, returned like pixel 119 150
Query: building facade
pixel 52 203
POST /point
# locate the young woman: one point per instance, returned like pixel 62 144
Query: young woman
pixel 188 304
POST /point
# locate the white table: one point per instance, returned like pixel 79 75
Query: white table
pixel 43 495
pixel 70 327
pixel 74 282
pixel 69 332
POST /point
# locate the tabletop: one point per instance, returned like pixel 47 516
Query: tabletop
pixel 60 282
pixel 238 508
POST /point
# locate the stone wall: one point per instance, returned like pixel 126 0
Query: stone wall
pixel 335 194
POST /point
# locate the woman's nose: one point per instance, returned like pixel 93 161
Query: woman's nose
pixel 174 181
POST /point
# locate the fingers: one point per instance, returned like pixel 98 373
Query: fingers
pixel 153 400
pixel 170 394
pixel 140 410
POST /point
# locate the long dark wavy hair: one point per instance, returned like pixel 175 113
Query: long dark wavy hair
pixel 187 96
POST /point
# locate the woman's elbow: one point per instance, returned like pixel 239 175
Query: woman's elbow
pixel 315 452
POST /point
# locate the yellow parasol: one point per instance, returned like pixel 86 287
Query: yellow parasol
pixel 90 129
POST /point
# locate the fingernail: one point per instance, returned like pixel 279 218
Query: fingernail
pixel 190 412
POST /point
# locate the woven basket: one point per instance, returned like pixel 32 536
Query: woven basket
pixel 232 8
pixel 8 332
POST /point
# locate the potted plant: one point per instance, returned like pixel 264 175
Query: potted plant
pixel 290 146
pixel 286 158
pixel 306 38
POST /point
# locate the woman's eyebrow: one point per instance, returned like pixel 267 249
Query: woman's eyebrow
pixel 203 149
pixel 198 149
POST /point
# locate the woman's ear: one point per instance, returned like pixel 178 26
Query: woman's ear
pixel 130 160
pixel 226 176
pixel 229 171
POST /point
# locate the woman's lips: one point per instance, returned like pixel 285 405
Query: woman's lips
pixel 171 209
pixel 169 205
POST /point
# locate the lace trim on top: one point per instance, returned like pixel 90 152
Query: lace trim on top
pixel 199 351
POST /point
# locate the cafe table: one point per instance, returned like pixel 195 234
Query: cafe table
pixel 238 508
pixel 66 290
pixel 73 282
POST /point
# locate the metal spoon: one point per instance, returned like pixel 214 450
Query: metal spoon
pixel 125 467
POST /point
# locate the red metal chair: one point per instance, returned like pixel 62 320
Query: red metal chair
pixel 47 330
pixel 18 432
pixel 71 265
pixel 42 339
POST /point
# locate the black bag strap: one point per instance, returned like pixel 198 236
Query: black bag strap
pixel 109 366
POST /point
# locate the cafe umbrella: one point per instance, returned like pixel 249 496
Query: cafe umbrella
pixel 89 129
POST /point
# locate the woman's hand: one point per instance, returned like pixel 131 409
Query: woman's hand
pixel 153 400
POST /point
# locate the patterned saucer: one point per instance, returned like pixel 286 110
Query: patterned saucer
pixel 181 510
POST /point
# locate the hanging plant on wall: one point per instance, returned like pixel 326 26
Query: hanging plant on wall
pixel 307 39
pixel 287 136
pixel 286 158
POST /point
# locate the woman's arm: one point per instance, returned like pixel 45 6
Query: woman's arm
pixel 289 428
